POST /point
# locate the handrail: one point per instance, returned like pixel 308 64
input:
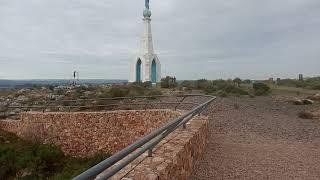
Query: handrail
pixel 156 103
pixel 145 143
pixel 48 103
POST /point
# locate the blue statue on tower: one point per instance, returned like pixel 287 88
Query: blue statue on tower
pixel 147 4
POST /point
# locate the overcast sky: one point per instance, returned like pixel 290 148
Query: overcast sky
pixel 194 39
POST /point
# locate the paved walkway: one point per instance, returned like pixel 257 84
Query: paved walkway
pixel 262 139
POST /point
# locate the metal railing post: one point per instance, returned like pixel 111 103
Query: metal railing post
pixel 150 152
pixel 184 126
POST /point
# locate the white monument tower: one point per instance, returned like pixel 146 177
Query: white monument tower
pixel 146 66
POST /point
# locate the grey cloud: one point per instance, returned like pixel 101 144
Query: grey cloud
pixel 194 39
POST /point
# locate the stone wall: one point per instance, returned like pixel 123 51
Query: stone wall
pixel 10 125
pixel 88 133
pixel 174 157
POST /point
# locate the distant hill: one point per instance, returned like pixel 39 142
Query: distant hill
pixel 27 83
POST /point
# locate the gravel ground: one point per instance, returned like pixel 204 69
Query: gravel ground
pixel 259 138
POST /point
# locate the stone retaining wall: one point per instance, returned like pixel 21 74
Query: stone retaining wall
pixel 88 133
pixel 174 157
pixel 10 125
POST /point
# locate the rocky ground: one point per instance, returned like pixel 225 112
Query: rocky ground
pixel 260 138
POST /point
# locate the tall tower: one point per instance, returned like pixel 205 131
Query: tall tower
pixel 146 66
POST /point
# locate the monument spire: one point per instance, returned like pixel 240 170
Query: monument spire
pixel 146 67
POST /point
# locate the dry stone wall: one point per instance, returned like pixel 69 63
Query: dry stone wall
pixel 10 125
pixel 87 133
pixel 174 157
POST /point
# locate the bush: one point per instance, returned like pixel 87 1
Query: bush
pixel 247 81
pixel 168 82
pixel 261 89
pixel 7 162
pixel 154 93
pixel 235 90
pixel 310 83
pixel 220 93
pixel 38 161
pixel 147 84
pixel 187 84
pixel 202 84
pixel 237 81
pixel 316 87
pixel 119 91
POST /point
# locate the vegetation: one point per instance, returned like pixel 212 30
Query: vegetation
pixel 24 160
pixel 237 81
pixel 140 89
pixel 309 83
pixel 261 89
pixel 217 87
pixel 168 82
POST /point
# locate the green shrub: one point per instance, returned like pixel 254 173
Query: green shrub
pixel 202 84
pixel 119 91
pixel 221 93
pixel 247 81
pixel 48 154
pixel 147 84
pixel 237 81
pixel 261 89
pixel 187 84
pixel 39 161
pixel 154 93
pixel 235 90
pixel 316 87
pixel 75 166
pixel 168 82
pixel 7 162
pixel 210 89
pixel 310 83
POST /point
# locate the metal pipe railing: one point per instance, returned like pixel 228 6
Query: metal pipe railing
pixel 147 142
pixel 108 105
pixel 48 104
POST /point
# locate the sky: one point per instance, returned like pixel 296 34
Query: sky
pixel 212 39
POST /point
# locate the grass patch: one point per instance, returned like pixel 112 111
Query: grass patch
pixel 20 159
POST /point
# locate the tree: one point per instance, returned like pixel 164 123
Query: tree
pixel 247 81
pixel 237 81
pixel 168 82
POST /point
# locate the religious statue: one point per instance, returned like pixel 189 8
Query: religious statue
pixel 147 4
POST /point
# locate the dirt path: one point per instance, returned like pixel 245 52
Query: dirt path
pixel 262 139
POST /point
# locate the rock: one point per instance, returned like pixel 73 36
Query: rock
pixel 307 101
pixel 12 113
pixel 315 97
pixel 306 115
pixel 22 91
pixel 297 102
pixel 87 93
pixel 17 110
pixel 22 98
